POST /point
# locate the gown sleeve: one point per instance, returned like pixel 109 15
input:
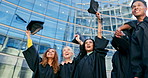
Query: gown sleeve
pixel 100 45
pixel 144 45
pixel 100 53
pixel 32 58
pixel 139 50
pixel 82 52
pixel 29 43
pixel 132 23
pixel 114 70
pixel 136 56
pixel 80 55
pixel 77 59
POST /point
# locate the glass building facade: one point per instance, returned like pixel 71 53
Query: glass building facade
pixel 62 20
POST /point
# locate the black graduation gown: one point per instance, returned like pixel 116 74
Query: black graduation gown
pixel 66 70
pixel 121 58
pixel 121 66
pixel 139 49
pixel 33 60
pixel 93 65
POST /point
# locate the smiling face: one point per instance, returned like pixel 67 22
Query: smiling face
pixel 50 53
pixel 67 52
pixel 139 9
pixel 89 45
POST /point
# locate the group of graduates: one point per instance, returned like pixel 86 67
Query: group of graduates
pixel 129 61
pixel 90 62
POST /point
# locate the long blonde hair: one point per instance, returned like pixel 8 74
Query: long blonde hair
pixel 55 64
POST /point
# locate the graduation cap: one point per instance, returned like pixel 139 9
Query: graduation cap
pixel 81 38
pixel 120 44
pixel 20 18
pixel 93 7
pixel 35 26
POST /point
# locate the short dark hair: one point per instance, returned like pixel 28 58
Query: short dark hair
pixel 140 1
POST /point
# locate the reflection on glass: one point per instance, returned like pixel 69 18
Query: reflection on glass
pixel 19 22
pixel 49 29
pixel 62 31
pixel 13 1
pixel 40 6
pixel 76 3
pixel 37 17
pixel 7 13
pixel 2 38
pixel 52 10
pixel 64 13
pixel 67 2
pixel 28 4
pixel 23 45
pixel 42 49
pixel 13 43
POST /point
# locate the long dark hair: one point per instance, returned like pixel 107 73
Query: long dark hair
pixel 85 52
pixel 55 64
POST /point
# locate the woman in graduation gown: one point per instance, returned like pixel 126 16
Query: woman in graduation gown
pixel 46 67
pixel 92 64
pixel 67 65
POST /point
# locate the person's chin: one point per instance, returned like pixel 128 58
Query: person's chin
pixel 88 49
pixel 137 15
pixel 66 57
pixel 49 56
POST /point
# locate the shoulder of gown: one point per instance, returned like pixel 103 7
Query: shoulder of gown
pixel 100 45
pixel 32 58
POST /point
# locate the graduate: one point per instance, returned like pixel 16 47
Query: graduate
pixel 45 67
pixel 121 58
pixel 91 64
pixel 139 43
pixel 67 65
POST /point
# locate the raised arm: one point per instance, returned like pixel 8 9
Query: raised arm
pixel 99 25
pixel 78 39
pixel 100 41
pixel 31 55
pixel 29 41
pixel 28 34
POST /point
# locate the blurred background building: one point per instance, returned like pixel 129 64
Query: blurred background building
pixel 63 19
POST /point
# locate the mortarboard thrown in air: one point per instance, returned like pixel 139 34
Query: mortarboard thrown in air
pixel 93 7
pixel 81 38
pixel 35 26
pixel 20 18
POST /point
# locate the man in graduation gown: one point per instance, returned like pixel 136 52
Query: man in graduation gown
pixel 139 40
pixel 121 58
pixel 92 64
